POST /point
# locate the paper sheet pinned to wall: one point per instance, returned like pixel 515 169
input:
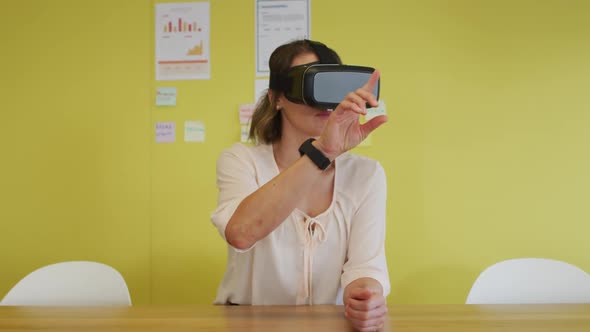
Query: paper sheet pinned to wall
pixel 278 22
pixel 194 131
pixel 375 111
pixel 244 133
pixel 245 113
pixel 165 132
pixel 260 87
pixel 166 96
pixel 182 41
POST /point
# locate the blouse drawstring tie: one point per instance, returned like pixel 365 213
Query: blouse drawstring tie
pixel 313 232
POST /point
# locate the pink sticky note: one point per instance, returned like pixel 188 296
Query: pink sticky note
pixel 246 111
pixel 165 132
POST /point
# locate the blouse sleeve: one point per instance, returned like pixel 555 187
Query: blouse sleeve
pixel 236 179
pixel 366 247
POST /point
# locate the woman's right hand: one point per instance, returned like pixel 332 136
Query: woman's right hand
pixel 343 130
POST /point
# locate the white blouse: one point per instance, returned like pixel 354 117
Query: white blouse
pixel 293 264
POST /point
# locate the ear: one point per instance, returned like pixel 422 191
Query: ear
pixel 270 95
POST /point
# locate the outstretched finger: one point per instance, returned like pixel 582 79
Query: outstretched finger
pixel 372 82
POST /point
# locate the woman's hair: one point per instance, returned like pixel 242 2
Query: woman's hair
pixel 266 123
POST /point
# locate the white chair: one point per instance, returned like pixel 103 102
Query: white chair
pixel 77 283
pixel 531 280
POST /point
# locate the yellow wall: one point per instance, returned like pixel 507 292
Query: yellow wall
pixel 75 137
pixel 486 150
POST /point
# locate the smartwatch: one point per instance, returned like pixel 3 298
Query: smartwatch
pixel 318 158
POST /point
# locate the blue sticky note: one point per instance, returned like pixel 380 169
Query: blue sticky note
pixel 166 96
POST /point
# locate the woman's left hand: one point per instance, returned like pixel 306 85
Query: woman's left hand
pixel 365 309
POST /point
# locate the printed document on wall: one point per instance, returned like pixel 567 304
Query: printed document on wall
pixel 279 22
pixel 182 41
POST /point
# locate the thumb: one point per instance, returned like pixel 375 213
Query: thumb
pixel 373 124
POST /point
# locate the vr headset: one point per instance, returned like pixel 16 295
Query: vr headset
pixel 322 84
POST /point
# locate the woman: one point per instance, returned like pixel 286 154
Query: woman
pixel 299 234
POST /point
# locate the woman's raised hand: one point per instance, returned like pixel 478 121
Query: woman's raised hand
pixel 343 130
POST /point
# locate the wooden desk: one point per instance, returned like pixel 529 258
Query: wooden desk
pixel 401 318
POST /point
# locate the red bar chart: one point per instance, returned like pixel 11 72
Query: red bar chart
pixel 181 26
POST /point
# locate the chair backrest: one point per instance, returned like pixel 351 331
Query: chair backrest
pixel 77 283
pixel 531 280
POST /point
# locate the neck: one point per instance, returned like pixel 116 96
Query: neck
pixel 286 151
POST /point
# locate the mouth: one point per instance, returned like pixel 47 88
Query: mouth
pixel 323 114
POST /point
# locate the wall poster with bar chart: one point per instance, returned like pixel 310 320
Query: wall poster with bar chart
pixel 182 41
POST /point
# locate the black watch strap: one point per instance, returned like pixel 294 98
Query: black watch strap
pixel 318 158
